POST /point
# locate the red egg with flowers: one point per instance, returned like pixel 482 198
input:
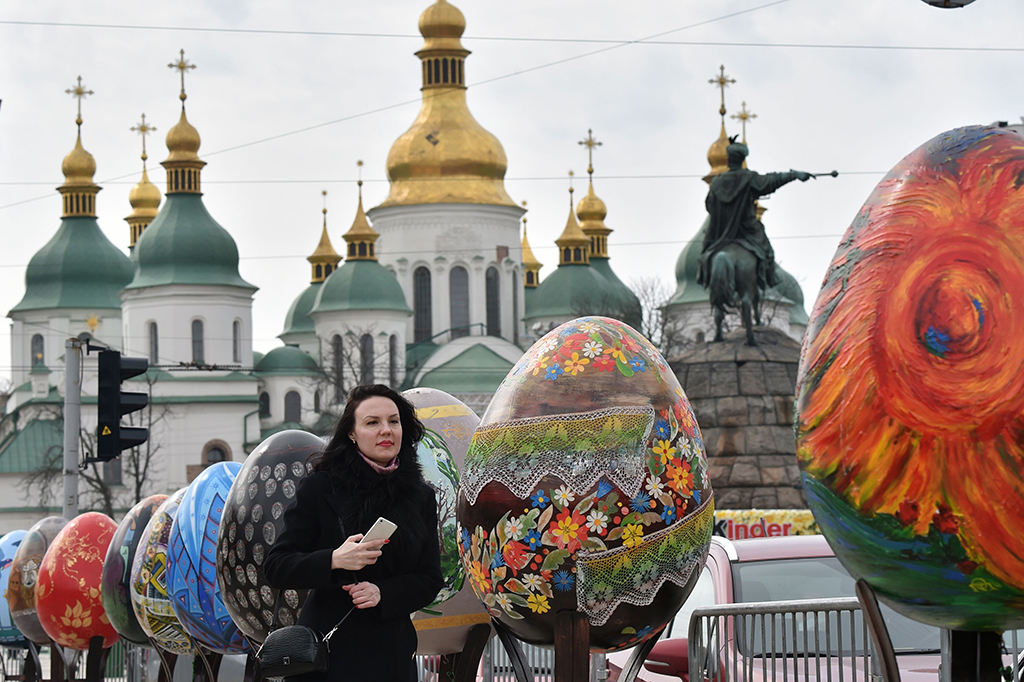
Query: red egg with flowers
pixel 586 489
pixel 68 597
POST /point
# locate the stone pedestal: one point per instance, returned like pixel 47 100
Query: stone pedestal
pixel 743 398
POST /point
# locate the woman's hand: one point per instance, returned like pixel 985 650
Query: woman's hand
pixel 364 595
pixel 353 556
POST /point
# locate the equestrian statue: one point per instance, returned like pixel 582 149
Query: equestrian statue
pixel 737 262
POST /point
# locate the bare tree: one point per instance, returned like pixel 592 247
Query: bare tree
pixel 654 295
pixel 105 487
pixel 349 366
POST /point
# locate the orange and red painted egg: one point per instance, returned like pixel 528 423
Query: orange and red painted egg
pixel 68 598
pixel 585 488
pixel 910 400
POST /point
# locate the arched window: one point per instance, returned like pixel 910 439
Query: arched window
pixel 338 367
pixel 197 342
pixel 264 405
pixel 216 451
pixel 154 343
pixel 423 321
pixel 316 401
pixel 37 349
pixel 444 70
pixel 319 271
pixel 493 291
pixel 577 255
pixel 515 307
pixel 292 406
pixel 366 359
pixel 458 283
pixel 236 341
pixel 437 70
pixel 393 361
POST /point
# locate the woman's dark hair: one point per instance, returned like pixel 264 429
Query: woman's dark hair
pixel 342 447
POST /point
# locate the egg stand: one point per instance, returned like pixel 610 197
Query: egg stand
pixel 572 650
pixel 167 661
pixel 463 666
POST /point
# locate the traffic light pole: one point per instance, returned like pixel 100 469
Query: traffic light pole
pixel 72 424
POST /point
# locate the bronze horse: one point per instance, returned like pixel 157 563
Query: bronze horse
pixel 733 286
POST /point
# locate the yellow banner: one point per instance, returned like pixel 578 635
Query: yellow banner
pixel 739 524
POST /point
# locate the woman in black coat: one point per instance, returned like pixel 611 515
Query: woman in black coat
pixel 369 469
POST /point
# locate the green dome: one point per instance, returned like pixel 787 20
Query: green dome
pixel 789 290
pixel 623 298
pixel 360 285
pixel 78 268
pixel 185 245
pixel 298 321
pixel 256 357
pixel 571 291
pixel 287 360
pixel 687 289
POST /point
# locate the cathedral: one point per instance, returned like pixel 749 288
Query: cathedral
pixel 437 286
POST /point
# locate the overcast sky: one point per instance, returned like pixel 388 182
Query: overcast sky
pixel 819 108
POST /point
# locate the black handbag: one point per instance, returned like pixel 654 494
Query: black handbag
pixel 295 650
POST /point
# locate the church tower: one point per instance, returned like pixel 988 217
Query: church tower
pixel 72 282
pixel 144 197
pixel 448 229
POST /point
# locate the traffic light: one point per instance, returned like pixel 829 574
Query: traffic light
pixel 113 403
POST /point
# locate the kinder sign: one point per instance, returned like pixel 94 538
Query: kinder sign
pixel 740 524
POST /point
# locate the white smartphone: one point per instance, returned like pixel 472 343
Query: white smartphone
pixel 381 530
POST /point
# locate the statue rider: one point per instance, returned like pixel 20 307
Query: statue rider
pixel 733 216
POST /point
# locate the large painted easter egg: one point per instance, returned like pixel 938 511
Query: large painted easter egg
pixel 21 586
pixel 192 570
pixel 68 594
pixel 117 570
pixel 252 521
pixel 586 489
pixel 9 543
pixel 443 626
pixel 911 388
pixel 149 581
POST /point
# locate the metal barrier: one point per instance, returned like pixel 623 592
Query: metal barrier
pixel 809 639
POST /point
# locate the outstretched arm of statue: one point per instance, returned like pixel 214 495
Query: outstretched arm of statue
pixel 767 183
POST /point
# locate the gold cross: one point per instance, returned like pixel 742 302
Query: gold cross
pixel 143 129
pixel 182 66
pixel 590 143
pixel 722 81
pixel 359 165
pixel 743 117
pixel 524 215
pixel 79 92
pixel 324 194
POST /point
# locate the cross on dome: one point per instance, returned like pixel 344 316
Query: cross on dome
pixel 182 65
pixel 143 129
pixel 79 92
pixel 743 117
pixel 590 143
pixel 722 81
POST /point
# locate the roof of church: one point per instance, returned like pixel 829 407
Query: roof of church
pixel 78 268
pixel 185 245
pixel 478 369
pixel 288 360
pixel 297 320
pixel 570 291
pixel 26 449
pixel 623 298
pixel 360 285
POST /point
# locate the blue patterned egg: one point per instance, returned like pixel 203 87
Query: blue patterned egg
pixel 149 582
pixel 9 633
pixel 192 566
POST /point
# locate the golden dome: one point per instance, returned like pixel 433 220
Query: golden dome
pixel 79 166
pixel 442 20
pixel 145 197
pixel 445 157
pixel 572 235
pixel 717 157
pixel 591 209
pixel 361 238
pixel 183 140
pixel 530 261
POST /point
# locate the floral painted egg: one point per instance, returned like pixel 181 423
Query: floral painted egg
pixel 68 594
pixel 252 520
pixel 586 489
pixel 9 543
pixel 192 562
pixel 911 387
pixel 148 587
pixel 21 586
pixel 117 570
pixel 443 626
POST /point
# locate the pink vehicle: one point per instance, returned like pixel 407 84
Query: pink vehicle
pixel 761 639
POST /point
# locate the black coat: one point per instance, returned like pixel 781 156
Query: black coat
pixel 377 643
